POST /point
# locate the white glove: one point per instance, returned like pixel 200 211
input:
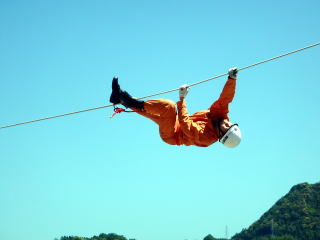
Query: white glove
pixel 233 72
pixel 183 91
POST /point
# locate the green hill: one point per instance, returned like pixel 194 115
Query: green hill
pixel 102 236
pixel 296 216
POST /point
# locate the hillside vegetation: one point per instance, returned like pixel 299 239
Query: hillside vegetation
pixel 296 216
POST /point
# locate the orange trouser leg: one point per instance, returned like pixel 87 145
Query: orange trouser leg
pixel 162 112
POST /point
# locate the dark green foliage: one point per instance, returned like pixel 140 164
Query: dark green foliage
pixel 210 237
pixel 102 236
pixel 110 236
pixel 296 216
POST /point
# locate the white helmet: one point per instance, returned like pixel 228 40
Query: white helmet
pixel 232 137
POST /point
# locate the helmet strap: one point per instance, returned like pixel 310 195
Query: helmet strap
pixel 216 124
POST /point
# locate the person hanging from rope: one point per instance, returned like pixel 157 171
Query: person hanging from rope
pixel 176 126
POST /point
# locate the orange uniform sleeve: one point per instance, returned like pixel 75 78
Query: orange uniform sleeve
pixel 220 108
pixel 189 128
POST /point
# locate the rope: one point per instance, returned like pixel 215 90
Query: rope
pixel 120 110
pixel 161 93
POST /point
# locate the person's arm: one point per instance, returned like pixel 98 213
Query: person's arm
pixel 228 92
pixel 188 127
pixel 221 106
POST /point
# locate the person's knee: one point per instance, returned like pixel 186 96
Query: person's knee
pixel 170 106
pixel 169 140
pixel 164 108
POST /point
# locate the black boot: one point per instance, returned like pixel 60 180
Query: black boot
pixel 130 102
pixel 118 96
pixel 115 95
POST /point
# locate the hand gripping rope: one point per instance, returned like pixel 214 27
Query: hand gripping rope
pixel 119 110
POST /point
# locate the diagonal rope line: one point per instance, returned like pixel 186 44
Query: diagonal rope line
pixel 161 93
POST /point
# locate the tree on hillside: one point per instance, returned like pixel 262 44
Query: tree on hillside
pixel 209 237
pixel 102 236
pixel 295 216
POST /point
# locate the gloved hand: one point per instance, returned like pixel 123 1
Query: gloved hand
pixel 233 72
pixel 183 91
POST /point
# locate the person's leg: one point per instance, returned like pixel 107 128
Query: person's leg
pixel 118 96
pixel 162 112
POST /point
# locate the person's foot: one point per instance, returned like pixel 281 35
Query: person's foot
pixel 119 96
pixel 115 95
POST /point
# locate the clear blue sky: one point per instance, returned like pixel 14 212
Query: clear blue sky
pixel 86 174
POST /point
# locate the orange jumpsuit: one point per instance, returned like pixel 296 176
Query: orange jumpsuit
pixel 177 127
